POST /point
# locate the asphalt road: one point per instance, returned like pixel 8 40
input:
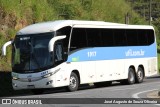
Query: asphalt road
pixel 116 90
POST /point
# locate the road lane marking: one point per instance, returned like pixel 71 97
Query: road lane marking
pixel 136 94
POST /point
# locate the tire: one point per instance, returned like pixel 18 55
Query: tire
pixel 37 91
pixel 139 75
pixel 74 82
pixel 131 76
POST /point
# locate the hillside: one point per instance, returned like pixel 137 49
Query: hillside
pixel 142 7
pixel 16 14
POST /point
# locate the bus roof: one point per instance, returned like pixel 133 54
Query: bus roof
pixel 55 25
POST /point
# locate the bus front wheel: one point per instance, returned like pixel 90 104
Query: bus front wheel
pixel 73 82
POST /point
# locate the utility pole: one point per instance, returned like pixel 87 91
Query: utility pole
pixel 127 16
pixel 150 12
pixel 144 13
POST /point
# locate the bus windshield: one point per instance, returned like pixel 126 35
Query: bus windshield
pixel 30 53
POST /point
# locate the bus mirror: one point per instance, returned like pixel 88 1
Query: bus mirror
pixel 5 46
pixel 53 40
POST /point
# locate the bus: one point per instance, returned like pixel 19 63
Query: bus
pixel 68 53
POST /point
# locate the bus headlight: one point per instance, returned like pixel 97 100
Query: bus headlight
pixel 48 75
pixel 15 78
pixel 56 70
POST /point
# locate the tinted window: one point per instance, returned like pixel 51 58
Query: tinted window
pixel 142 37
pixel 119 37
pixel 93 37
pixel 132 37
pixel 107 37
pixel 150 35
pixel 87 37
pixel 78 39
pixel 65 31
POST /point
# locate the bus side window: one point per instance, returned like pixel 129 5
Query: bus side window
pixel 58 52
pixel 78 39
pixel 142 37
pixel 94 37
pixel 119 37
pixel 107 37
pixel 65 31
pixel 150 35
pixel 132 37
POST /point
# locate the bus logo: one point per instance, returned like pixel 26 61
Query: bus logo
pixel 29 78
pixel 130 52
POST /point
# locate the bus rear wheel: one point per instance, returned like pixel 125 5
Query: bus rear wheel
pixel 74 82
pixel 140 75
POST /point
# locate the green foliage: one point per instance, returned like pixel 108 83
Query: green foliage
pixel 5 61
pixel 11 33
pixel 36 10
pixel 27 12
pixel 43 10
pixel 142 8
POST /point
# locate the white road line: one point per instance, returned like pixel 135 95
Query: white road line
pixel 136 94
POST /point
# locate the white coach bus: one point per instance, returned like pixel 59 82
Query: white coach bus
pixel 69 53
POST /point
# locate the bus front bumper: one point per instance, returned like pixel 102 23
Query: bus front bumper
pixel 43 83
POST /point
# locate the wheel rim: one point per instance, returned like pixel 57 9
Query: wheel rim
pixel 140 75
pixel 73 82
